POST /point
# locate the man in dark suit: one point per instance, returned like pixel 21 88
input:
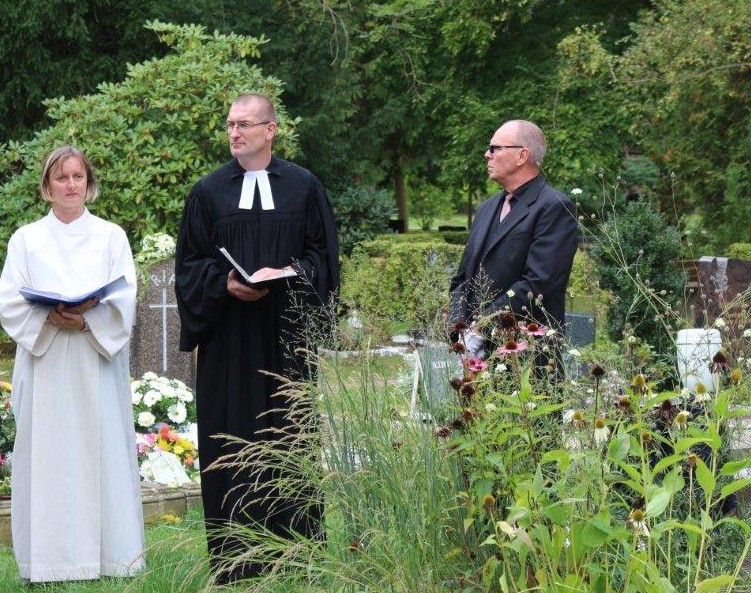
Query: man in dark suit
pixel 522 242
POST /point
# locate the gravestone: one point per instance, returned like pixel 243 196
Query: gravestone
pixel 155 343
pixel 580 329
pixel 580 332
pixel 721 280
pixel 721 299
pixel 435 366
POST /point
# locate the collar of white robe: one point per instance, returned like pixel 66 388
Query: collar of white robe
pixel 249 190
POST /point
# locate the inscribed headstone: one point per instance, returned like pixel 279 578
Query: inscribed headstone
pixel 154 345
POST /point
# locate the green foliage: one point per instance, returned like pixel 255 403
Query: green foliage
pixel 150 137
pixel 684 86
pixel 636 252
pixel 361 212
pixel 599 485
pixel 739 251
pixel 405 280
pixel 428 203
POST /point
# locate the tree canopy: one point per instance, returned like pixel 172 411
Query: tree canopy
pixel 149 137
pixel 405 94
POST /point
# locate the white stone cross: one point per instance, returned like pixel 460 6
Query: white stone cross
pixel 164 305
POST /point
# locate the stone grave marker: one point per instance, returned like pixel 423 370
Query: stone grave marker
pixel 580 332
pixel 154 345
pixel 436 366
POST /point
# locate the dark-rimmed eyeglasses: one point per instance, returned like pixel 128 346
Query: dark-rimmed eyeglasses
pixel 492 148
pixel 243 126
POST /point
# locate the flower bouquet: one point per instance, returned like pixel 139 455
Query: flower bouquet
pixel 167 457
pixel 159 400
pixel 163 409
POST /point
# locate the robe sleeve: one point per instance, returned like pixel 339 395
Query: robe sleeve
pixel 24 322
pixel 320 258
pixel 111 321
pixel 200 284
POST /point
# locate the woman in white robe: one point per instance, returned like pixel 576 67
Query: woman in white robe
pixel 76 505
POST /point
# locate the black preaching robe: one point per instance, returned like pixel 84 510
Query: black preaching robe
pixel 236 339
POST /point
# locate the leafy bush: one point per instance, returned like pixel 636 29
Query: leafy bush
pixel 398 278
pixel 361 213
pixel 636 252
pixel 739 251
pixel 150 137
pixel 428 203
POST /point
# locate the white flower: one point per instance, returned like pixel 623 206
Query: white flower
pixel 576 191
pixel 149 376
pixel 510 293
pixel 681 419
pixel 719 323
pixel 135 395
pixel 490 408
pixel 574 352
pixel 152 397
pixel 747 333
pixel 146 419
pixel 177 413
pixel 602 432
pixel 501 368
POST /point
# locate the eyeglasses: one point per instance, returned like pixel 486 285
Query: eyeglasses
pixel 492 148
pixel 243 126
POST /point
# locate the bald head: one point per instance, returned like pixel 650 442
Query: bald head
pixel 262 105
pixel 531 137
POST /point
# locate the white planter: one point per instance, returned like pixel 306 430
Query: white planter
pixel 696 347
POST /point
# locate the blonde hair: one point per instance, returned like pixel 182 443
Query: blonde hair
pixel 55 161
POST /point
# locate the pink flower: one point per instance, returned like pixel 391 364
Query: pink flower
pixel 512 347
pixel 534 329
pixel 475 364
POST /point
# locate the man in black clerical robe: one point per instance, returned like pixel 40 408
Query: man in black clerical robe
pixel 270 215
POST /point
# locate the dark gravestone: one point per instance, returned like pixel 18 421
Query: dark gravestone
pixel 580 332
pixel 723 293
pixel 580 329
pixel 154 345
pixel 721 280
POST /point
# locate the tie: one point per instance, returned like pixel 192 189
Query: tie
pixel 506 206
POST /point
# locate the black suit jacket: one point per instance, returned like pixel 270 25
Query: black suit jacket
pixel 530 252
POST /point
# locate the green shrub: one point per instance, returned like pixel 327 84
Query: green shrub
pixel 149 137
pixel 428 203
pixel 361 213
pixel 739 251
pixel 395 280
pixel 636 251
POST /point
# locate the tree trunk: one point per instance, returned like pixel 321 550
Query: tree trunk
pixel 400 194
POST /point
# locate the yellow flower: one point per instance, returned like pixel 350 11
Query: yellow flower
pixel 5 386
pixel 170 518
pixel 178 450
pixel 185 444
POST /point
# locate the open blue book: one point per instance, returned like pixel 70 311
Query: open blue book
pixel 53 298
